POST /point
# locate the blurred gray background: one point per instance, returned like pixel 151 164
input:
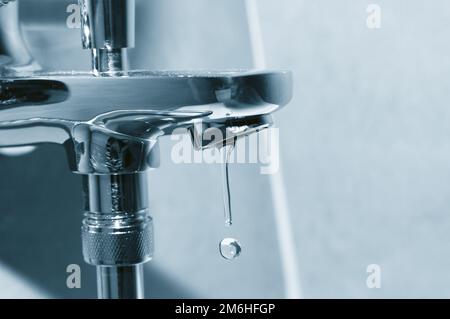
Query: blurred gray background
pixel 365 148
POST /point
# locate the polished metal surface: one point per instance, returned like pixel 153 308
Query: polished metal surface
pixel 108 24
pixel 108 29
pixel 232 94
pixel 209 134
pixel 124 282
pixel 109 121
pixel 132 112
pixel 110 61
pixel 117 229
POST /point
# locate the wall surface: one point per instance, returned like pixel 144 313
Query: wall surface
pixel 366 142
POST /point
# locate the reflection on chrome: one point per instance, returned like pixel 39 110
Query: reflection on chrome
pixel 109 121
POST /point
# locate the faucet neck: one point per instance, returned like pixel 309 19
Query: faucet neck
pixel 108 30
pixel 109 62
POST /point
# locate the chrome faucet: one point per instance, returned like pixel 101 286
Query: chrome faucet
pixel 109 121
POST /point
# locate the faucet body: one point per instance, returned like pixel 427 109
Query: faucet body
pixel 109 121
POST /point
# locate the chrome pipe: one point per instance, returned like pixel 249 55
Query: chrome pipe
pixel 125 282
pixel 117 232
pixel 110 124
pixel 108 24
pixel 113 62
pixel 108 30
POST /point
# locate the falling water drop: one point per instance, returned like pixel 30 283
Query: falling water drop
pixel 230 248
pixel 228 151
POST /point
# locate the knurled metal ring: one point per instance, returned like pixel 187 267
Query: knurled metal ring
pixel 110 247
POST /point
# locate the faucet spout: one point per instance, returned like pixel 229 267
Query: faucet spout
pixel 206 135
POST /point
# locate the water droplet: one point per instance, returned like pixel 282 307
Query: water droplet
pixel 230 248
pixel 228 151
